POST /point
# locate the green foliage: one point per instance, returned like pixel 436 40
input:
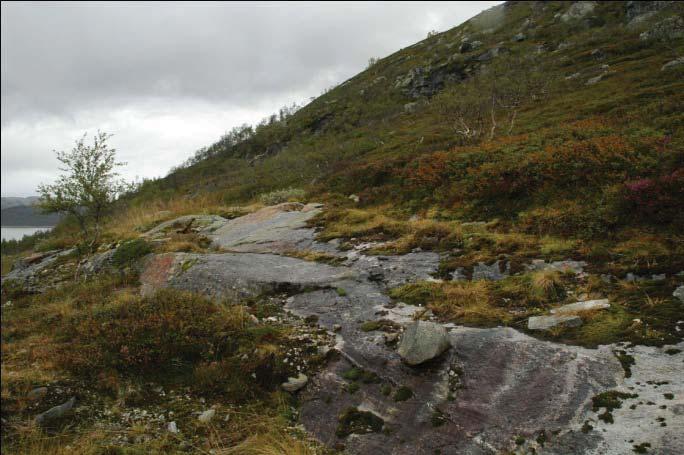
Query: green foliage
pixel 129 252
pixel 403 393
pixel 276 197
pixel 88 187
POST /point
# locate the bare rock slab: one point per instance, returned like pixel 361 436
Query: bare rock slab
pixel 275 229
pixel 549 322
pixel 236 274
pixel 423 341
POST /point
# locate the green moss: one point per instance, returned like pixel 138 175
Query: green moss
pixel 641 448
pixel 609 400
pixel 129 252
pixel 358 374
pixel 386 389
pixel 438 418
pixel 403 393
pixel 382 324
pixel 353 387
pixel 341 292
pixel 626 361
pixel 519 440
pixel 354 421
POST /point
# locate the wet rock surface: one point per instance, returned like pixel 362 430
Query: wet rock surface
pixel 493 387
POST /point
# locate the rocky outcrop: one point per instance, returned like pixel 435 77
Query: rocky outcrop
pixel 492 388
pixel 668 29
pixel 274 229
pixel 237 275
pixel 39 272
pixel 423 341
pixel 578 10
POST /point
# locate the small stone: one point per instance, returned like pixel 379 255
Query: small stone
pixel 172 427
pixel 207 415
pixel 354 198
pixel 294 384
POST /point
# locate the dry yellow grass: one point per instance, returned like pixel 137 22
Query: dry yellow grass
pixel 468 303
pixel 272 443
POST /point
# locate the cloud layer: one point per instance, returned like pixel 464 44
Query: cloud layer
pixel 168 79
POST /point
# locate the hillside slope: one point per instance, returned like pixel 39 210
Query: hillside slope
pixel 473 246
pixel 515 101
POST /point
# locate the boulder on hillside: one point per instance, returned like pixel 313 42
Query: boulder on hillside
pixel 578 10
pixel 423 341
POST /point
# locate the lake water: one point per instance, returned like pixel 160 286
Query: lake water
pixel 17 232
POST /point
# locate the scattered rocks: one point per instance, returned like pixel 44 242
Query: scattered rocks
pixel 549 322
pixel 56 412
pixel 587 305
pixel 423 341
pixel 294 384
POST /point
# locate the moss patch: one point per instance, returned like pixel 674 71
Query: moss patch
pixel 354 421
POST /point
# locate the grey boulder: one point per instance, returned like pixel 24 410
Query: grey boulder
pixel 423 341
pixel 55 412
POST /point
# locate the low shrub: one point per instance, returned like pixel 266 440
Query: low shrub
pixel 151 334
pixel 279 196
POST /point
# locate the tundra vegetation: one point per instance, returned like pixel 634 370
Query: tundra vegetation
pixel 491 153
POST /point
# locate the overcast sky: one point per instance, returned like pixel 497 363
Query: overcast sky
pixel 167 79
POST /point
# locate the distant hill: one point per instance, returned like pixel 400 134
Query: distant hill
pixel 20 211
pixel 9 202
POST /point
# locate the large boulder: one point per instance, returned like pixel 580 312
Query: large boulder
pixel 679 293
pixel 423 341
pixel 294 384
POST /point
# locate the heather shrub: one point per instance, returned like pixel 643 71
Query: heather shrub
pixel 656 200
pixel 152 334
